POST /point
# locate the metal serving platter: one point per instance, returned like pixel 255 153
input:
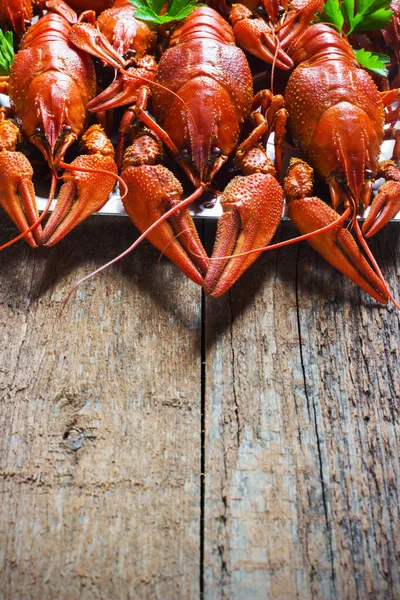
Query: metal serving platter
pixel 209 209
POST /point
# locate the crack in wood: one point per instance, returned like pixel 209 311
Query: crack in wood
pixel 202 434
pixel 235 398
pixel 317 433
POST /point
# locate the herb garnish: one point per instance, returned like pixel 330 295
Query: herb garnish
pixel 149 10
pixel 372 61
pixel 370 16
pixel 6 52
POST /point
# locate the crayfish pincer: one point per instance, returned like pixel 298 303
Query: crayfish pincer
pixel 17 194
pixel 205 113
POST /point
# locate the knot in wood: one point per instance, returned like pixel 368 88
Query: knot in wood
pixel 74 438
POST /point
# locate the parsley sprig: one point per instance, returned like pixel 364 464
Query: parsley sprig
pixel 149 10
pixel 369 16
pixel 372 61
pixel 6 52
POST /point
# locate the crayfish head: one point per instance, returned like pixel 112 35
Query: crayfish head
pixel 348 155
pixel 56 123
pixel 205 129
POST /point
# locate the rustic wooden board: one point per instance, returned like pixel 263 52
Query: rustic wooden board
pixel 99 423
pixel 109 418
pixel 302 396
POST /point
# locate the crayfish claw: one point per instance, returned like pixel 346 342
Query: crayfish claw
pixel 252 208
pixel 89 181
pixel 256 37
pixel 385 206
pixel 386 203
pixel 152 190
pixel 88 38
pixel 337 245
pixel 17 194
pixel 125 88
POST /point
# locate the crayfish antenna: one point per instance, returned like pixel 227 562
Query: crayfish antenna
pixel 371 257
pixel 196 194
pixel 40 219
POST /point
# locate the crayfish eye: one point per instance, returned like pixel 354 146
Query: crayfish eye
pixel 281 11
pixel 67 130
pixel 340 177
pixel 368 174
pixel 215 152
pixel 186 154
pixel 261 12
pixel 130 54
pixel 39 132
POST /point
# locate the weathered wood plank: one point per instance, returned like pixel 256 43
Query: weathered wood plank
pixel 302 425
pixel 99 423
pixel 351 368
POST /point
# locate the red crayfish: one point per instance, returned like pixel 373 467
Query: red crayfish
pixel 336 118
pixel 201 96
pixel 202 100
pixel 50 84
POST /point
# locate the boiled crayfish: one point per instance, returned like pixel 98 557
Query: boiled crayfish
pixel 202 100
pixel 50 84
pixel 336 118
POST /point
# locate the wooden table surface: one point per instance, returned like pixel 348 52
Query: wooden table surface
pixel 155 443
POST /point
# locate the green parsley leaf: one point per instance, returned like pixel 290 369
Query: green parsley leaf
pixel 372 21
pixel 6 52
pixel 348 10
pixel 149 10
pixel 371 14
pixel 333 14
pixel 367 7
pixel 372 61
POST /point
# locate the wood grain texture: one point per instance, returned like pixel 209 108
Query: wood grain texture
pixel 302 427
pixel 101 441
pixel 99 423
